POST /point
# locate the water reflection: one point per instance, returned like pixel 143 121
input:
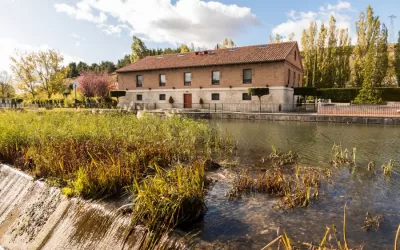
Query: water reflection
pixel 252 222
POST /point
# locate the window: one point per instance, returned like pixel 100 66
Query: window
pixel 187 78
pixel 215 77
pixel 295 55
pixel 288 79
pixel 294 78
pixel 162 80
pixel 139 97
pixel 215 97
pixel 139 81
pixel 247 75
pixel 246 97
pixel 162 97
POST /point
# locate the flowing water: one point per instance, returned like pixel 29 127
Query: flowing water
pixel 35 216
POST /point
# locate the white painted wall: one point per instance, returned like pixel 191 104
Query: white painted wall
pixel 278 95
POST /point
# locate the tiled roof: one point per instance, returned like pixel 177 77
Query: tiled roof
pixel 238 55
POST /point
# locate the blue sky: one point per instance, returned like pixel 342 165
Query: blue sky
pixel 96 30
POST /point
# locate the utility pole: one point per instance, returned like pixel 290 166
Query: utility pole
pixel 391 35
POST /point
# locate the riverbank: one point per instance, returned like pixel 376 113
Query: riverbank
pixel 298 117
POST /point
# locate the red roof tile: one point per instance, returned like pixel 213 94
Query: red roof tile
pixel 238 55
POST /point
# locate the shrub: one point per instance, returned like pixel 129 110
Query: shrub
pixel 338 94
pixel 305 91
pixel 93 84
pixel 171 100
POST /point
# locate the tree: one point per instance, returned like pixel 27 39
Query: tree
pixel 382 56
pixel 277 38
pixel 82 66
pixel 228 44
pixel 344 52
pixel 107 66
pixel 124 61
pixel 94 84
pixel 23 69
pixel 6 88
pixel 184 48
pixel 368 27
pixel 397 60
pixel 139 49
pixel 259 92
pixel 73 70
pixel 291 36
pixel 48 71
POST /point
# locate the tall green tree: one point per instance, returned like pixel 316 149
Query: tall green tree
pixel 82 66
pixel 397 60
pixel 368 29
pixel 73 70
pixel 382 56
pixel 139 49
pixel 124 61
pixel 344 52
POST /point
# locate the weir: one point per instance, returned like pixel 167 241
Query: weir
pixel 36 216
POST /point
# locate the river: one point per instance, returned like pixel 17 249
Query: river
pixel 251 222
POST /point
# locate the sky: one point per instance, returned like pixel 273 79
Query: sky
pixel 100 30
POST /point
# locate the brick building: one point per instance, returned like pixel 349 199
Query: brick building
pixel 215 76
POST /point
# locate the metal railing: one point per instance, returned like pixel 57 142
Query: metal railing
pixel 389 110
pixel 226 107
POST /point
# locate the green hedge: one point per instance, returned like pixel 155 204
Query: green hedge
pixel 338 95
pixel 305 91
pixel 389 94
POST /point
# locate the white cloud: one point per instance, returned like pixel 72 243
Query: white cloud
pixel 78 37
pixel 9 46
pixel 81 12
pixel 204 23
pixel 298 21
pixel 77 44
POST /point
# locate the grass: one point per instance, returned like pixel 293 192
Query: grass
pixel 388 168
pixel 101 154
pixel 297 186
pixel 342 156
pixel 280 158
pixel 160 161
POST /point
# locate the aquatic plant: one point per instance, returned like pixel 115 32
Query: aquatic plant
pixel 325 244
pixel 169 198
pixel 297 186
pixel 282 158
pixel 342 157
pixel 372 221
pixel 388 168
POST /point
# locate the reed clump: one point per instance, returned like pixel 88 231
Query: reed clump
pixel 100 154
pixel 388 168
pixel 280 158
pixel 167 199
pixel 297 186
pixel 342 156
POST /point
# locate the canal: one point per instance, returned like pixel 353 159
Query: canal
pixel 253 221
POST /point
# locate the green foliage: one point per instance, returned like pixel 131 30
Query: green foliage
pixel 169 198
pixel 258 91
pixel 73 70
pixel 124 61
pixel 338 94
pixel 349 94
pixel 397 60
pixel 305 91
pixel 103 153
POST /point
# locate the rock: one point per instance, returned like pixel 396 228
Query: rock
pixel 210 165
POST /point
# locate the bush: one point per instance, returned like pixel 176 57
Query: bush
pixel 390 94
pixel 338 95
pixel 305 91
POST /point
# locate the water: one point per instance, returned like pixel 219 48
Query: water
pixel 251 222
pixel 35 216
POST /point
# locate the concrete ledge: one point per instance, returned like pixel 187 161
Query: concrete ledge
pixel 295 117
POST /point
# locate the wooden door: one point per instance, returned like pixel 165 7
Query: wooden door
pixel 187 101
